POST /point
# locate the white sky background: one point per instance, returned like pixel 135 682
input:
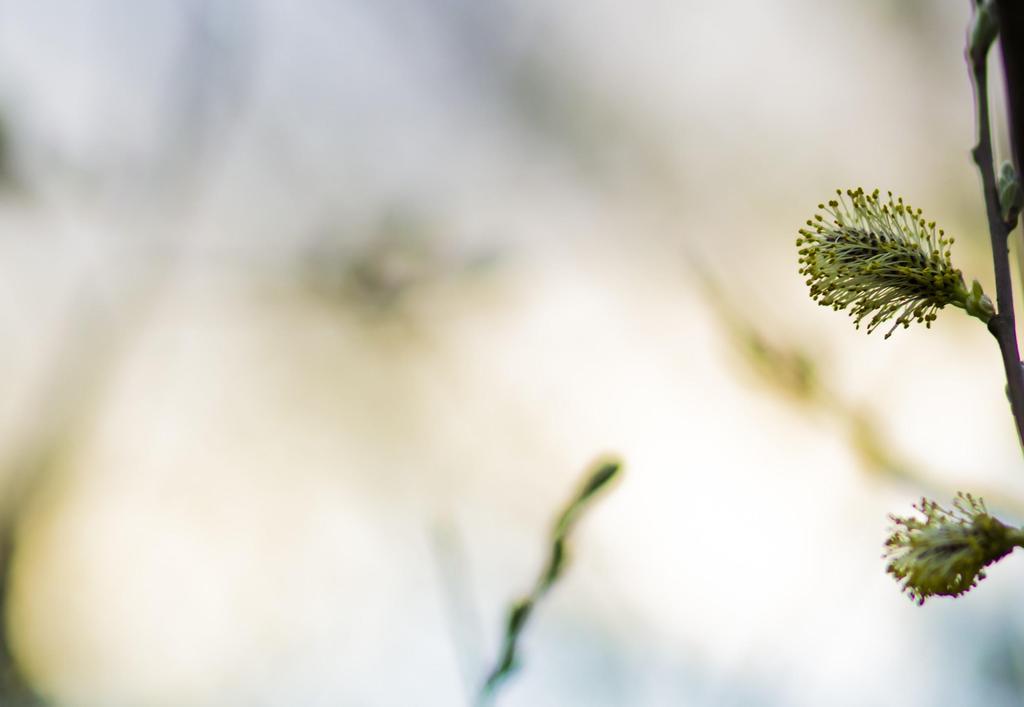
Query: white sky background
pixel 246 510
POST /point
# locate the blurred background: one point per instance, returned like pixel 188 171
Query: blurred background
pixel 314 313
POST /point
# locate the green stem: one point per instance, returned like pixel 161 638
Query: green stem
pixel 521 610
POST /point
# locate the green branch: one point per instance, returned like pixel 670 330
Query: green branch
pixel 521 610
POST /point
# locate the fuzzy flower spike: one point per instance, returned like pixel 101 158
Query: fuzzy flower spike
pixel 882 261
pixel 945 553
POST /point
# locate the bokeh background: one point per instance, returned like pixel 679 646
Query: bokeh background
pixel 314 313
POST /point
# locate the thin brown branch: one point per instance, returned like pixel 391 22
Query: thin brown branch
pixel 1011 39
pixel 1003 325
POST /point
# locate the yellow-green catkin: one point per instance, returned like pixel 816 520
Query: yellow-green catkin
pixel 882 261
pixel 945 552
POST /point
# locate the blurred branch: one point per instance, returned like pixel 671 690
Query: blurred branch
pixel 793 373
pixel 522 609
pixel 379 269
